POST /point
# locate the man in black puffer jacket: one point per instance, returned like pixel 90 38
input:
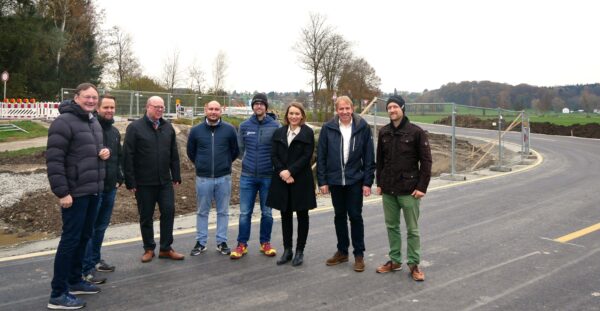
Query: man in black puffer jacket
pixel 92 260
pixel 75 158
pixel 151 166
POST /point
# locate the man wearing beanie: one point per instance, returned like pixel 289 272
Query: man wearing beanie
pixel 254 140
pixel 403 173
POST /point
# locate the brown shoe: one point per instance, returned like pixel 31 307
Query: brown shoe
pixel 337 258
pixel 148 254
pixel 359 264
pixel 416 273
pixel 389 266
pixel 170 254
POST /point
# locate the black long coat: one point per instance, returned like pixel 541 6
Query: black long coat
pixel 299 195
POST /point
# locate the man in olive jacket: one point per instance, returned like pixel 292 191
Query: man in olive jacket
pixel 75 158
pixel 151 165
pixel 403 174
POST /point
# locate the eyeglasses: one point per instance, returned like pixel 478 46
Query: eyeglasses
pixel 158 107
pixel 88 97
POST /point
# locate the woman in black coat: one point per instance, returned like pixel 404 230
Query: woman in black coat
pixel 292 185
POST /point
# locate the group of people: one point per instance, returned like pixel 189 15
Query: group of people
pixel 86 165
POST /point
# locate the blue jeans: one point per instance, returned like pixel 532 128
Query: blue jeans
pixel 208 189
pixel 77 226
pixel 249 186
pixel 106 202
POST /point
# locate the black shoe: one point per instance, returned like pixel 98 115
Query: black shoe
pixel 223 248
pixel 103 266
pixel 92 278
pixel 287 256
pixel 198 248
pixel 298 258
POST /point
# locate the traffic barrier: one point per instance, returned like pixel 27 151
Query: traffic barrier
pixel 29 111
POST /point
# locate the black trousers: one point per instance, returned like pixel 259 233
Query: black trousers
pixel 287 228
pixel 147 197
pixel 347 204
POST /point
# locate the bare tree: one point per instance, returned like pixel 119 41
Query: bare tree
pixel 171 71
pixel 58 11
pixel 123 65
pixel 196 76
pixel 219 72
pixel 312 48
pixel 558 104
pixel 336 57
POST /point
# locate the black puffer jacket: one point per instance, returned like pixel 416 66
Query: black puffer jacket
pixel 74 141
pixel 112 141
pixel 150 157
pixel 403 159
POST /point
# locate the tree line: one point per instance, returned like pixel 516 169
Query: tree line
pixel 523 96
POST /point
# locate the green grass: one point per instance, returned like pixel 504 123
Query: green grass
pixel 235 121
pixel 566 119
pixel 34 129
pixel 22 152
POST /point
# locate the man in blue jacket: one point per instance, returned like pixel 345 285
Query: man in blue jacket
pixel 345 167
pixel 255 145
pixel 212 146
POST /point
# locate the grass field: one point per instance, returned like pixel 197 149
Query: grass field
pixel 34 129
pixel 22 152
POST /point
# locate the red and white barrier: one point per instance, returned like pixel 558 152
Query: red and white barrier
pixel 29 111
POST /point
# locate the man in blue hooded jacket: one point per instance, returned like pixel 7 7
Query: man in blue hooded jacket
pixel 254 141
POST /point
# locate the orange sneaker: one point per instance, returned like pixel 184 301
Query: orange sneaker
pixel 239 251
pixel 266 249
pixel 416 273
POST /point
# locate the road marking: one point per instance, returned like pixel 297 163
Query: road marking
pixel 316 210
pixel 578 233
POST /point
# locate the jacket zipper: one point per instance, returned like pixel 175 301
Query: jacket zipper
pixel 212 158
pixel 342 159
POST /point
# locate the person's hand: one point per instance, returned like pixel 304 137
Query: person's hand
pixel 285 174
pixel 366 191
pixel 66 201
pixel 132 190
pixel 417 194
pixel 104 153
pixel 324 189
pixel 290 180
pixel 378 190
pixel 176 183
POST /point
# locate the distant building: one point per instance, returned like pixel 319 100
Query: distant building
pixel 566 110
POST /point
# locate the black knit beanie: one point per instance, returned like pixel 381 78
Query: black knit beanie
pixel 260 98
pixel 396 99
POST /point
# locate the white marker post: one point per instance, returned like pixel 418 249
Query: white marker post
pixel 4 79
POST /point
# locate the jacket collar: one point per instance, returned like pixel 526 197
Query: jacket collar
pixel 302 136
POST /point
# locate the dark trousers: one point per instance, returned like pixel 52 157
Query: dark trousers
pixel 147 197
pixel 77 226
pixel 287 228
pixel 106 202
pixel 347 203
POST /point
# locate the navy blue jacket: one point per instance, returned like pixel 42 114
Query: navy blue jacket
pixel 254 141
pixel 212 148
pixel 114 164
pixel 360 166
pixel 74 141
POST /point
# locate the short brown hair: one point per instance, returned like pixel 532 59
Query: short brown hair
pixel 344 99
pixel 296 105
pixel 85 86
pixel 107 96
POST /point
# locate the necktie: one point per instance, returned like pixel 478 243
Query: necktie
pixel 155 124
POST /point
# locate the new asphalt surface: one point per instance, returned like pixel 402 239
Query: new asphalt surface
pixel 501 243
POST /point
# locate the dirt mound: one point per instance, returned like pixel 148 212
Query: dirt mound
pixel 590 130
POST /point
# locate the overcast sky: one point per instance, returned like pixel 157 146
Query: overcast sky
pixel 413 45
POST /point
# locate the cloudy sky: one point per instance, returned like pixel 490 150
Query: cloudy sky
pixel 413 45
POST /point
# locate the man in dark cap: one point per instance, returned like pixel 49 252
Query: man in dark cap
pixel 254 141
pixel 403 173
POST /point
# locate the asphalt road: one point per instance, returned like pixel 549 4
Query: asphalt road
pixel 488 245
